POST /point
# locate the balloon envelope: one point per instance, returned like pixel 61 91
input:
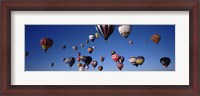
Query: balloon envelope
pixel 124 30
pixel 92 37
pixel 165 61
pixel 115 57
pixel 100 68
pixel 75 48
pixel 46 43
pixel 113 52
pixel 70 61
pixel 120 66
pixel 105 30
pixel 102 58
pixel 26 53
pixel 94 63
pixel 156 38
pixel 140 60
pixel 121 59
pixel 96 35
pixel 90 50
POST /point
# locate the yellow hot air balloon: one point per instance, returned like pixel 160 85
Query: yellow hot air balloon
pixel 90 49
pixel 96 35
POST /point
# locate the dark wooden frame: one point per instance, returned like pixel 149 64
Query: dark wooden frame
pixel 98 5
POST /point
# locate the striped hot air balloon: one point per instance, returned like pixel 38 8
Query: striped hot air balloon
pixel 156 38
pixel 46 43
pixel 105 30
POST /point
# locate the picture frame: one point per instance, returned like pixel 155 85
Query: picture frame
pixel 104 5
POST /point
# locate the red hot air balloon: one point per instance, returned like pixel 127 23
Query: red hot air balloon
pixel 46 43
pixel 120 66
pixel 105 30
pixel 115 57
pixel 156 38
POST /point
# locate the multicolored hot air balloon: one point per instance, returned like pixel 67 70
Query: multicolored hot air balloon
pixel 81 68
pixel 120 66
pixel 94 63
pixel 100 68
pixel 70 61
pixel 96 35
pixel 102 58
pixel 79 65
pixel 124 30
pixel 46 43
pixel 140 60
pixel 86 59
pixel 78 54
pixel 165 61
pixel 75 48
pixel 156 38
pixel 90 50
pixel 132 60
pixel 105 30
pixel 92 37
pixel 115 57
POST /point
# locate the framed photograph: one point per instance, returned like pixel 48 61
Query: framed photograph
pixel 138 47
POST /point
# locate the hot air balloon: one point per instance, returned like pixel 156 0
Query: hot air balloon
pixel 156 38
pixel 78 54
pixel 140 60
pixel 124 30
pixel 79 65
pixel 75 48
pixel 26 53
pixel 63 46
pixel 63 59
pixel 70 61
pixel 93 47
pixel 105 30
pixel 112 52
pixel 78 59
pixel 130 42
pixel 100 68
pixel 90 50
pixel 165 61
pixel 94 63
pixel 92 37
pixel 52 64
pixel 120 66
pixel 96 35
pixel 132 60
pixel 102 58
pixel 121 59
pixel 81 68
pixel 115 57
pixel 87 41
pixel 46 43
pixel 86 59
pixel 82 45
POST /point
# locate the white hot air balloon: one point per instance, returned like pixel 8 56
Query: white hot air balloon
pixel 124 30
pixel 81 68
pixel 92 37
pixel 132 60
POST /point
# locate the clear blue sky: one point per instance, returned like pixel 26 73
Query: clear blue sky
pixel 70 35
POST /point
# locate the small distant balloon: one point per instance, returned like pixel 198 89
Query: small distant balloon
pixel 96 35
pixel 78 59
pixel 156 38
pixel 100 68
pixel 87 41
pixel 130 42
pixel 140 60
pixel 79 65
pixel 82 45
pixel 81 68
pixel 70 61
pixel 78 54
pixel 52 64
pixel 92 37
pixel 86 59
pixel 94 63
pixel 121 59
pixel 75 48
pixel 112 52
pixel 102 58
pixel 165 61
pixel 90 50
pixel 63 46
pixel 120 66
pixel 93 47
pixel 132 60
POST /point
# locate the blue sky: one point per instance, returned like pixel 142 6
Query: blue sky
pixel 71 35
